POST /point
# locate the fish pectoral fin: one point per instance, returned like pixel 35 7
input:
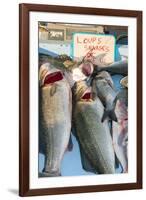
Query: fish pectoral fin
pixel 109 114
pixel 53 89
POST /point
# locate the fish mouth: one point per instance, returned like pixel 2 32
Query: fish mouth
pixel 87 95
pixel 53 77
pixel 82 91
pixel 87 68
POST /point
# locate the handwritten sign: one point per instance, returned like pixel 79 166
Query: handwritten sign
pixel 91 45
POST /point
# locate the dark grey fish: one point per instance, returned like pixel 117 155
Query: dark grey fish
pixel 55 106
pixel 103 88
pixel 93 135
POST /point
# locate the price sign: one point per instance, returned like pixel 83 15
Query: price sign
pixel 91 45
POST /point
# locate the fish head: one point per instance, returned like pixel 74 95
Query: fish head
pixel 86 68
pixel 101 81
pixel 98 84
pixel 104 74
pixel 49 74
pixel 82 91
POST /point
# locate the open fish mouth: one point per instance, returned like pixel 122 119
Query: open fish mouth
pixel 87 95
pixel 53 77
pixel 49 74
pixel 87 68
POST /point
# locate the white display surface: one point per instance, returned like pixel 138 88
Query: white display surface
pixel 36 182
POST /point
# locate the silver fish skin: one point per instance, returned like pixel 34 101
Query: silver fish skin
pixel 55 107
pixel 94 136
pixel 120 131
pixel 104 89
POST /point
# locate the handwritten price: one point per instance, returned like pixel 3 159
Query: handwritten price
pixel 88 46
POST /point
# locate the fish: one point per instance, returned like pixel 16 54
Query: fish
pixel 60 65
pixel 119 67
pixel 120 130
pixel 92 134
pixel 55 111
pixel 103 87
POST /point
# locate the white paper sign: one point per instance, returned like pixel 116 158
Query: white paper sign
pixel 90 45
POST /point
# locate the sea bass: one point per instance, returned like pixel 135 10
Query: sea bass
pixel 103 88
pixel 93 135
pixel 120 130
pixel 55 107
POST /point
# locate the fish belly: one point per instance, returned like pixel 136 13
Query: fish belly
pixel 55 125
pixel 94 136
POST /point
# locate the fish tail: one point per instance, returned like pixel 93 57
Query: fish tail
pixel 49 174
pixel 109 114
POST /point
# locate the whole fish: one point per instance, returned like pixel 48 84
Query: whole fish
pixel 103 88
pixel 55 107
pixel 93 135
pixel 120 130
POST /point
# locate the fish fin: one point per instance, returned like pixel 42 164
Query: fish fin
pixel 48 174
pixel 70 144
pixel 53 89
pixel 86 164
pixel 109 113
